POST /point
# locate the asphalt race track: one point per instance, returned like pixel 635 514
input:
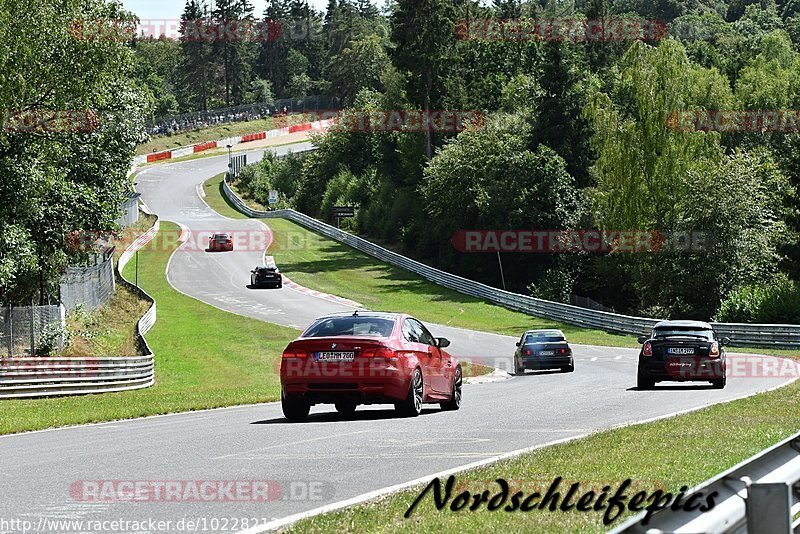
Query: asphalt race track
pixel 326 459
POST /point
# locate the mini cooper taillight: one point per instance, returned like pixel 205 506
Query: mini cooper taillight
pixel 647 350
pixel 713 352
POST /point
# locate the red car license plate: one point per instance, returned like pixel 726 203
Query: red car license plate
pixel 334 356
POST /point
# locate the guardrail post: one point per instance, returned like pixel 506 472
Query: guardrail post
pixel 769 508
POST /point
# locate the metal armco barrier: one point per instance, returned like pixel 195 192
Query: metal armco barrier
pixel 754 497
pixel 54 377
pixel 775 335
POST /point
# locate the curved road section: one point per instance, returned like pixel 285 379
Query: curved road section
pixel 302 466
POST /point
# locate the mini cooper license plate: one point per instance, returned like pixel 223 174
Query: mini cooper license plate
pixel 680 350
pixel 334 356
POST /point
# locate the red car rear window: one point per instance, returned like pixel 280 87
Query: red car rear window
pixel 351 326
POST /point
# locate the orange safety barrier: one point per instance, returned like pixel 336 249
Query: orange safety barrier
pixel 205 146
pixel 300 127
pixel 158 156
pixel 253 137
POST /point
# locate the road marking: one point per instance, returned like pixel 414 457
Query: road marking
pixel 594 359
pixel 617 357
pixel 290 444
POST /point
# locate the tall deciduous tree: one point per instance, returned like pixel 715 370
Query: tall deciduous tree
pixel 423 32
pixel 72 176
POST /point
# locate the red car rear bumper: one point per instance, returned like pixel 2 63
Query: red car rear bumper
pixel 328 383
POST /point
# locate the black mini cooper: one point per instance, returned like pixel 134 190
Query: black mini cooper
pixel 681 351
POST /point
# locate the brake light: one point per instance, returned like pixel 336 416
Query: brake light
pixel 647 350
pixel 380 355
pixel 714 351
pixel 527 352
pixel 378 352
pixel 563 351
pixel 290 353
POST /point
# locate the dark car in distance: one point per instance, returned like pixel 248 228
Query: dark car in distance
pixel 220 242
pixel 266 276
pixel 368 358
pixel 543 349
pixel 681 351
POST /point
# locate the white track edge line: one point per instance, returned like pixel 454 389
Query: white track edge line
pixel 364 497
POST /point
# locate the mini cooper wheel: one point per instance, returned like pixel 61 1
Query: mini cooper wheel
pixel 455 395
pixel 411 406
pixel 294 409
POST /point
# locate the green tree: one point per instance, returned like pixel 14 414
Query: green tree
pixel 423 33
pixel 59 181
pixel 197 61
pixel 489 179
pixel 357 67
pixel 642 163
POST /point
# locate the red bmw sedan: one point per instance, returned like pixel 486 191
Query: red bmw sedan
pixel 368 358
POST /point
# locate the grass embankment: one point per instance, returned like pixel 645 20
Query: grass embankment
pixel 165 142
pixel 197 364
pixel 325 265
pixel 684 450
pixel 111 329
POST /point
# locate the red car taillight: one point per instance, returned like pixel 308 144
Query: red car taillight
pixel 378 352
pixel 647 350
pixel 527 352
pixel 293 353
pixel 564 351
pixel 714 350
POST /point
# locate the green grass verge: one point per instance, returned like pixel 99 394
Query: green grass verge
pixel 109 330
pixel 197 365
pixel 684 450
pixel 165 142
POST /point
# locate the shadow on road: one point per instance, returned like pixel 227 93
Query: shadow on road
pixel 540 372
pixel 675 387
pixel 327 417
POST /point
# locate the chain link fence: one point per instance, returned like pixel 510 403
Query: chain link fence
pixel 246 112
pixel 90 286
pixel 23 329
